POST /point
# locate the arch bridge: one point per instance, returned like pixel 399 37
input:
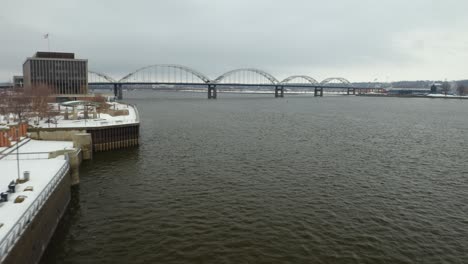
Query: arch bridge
pixel 173 75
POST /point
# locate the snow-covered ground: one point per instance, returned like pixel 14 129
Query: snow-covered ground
pixel 44 174
pixel 447 96
pixel 101 120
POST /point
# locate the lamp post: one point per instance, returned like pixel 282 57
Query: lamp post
pixel 17 151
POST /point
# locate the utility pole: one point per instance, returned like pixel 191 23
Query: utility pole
pixel 17 150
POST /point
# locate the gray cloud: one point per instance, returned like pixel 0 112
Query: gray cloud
pixel 357 39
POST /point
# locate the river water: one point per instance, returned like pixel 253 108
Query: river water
pixel 254 179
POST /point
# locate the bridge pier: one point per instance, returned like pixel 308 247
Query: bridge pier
pixel 318 91
pixel 279 91
pixel 351 89
pixel 115 89
pixel 119 92
pixel 212 92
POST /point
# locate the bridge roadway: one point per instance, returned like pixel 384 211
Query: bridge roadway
pixel 179 75
pixel 212 87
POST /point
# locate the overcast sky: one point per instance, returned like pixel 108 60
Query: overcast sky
pixel 360 40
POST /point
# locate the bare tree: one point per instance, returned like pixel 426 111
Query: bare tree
pixel 4 111
pixel 18 103
pixel 41 97
pixel 445 87
pixel 103 106
pixel 462 90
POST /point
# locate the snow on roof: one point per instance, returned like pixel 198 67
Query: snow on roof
pixel 30 148
pixel 45 146
pixel 42 172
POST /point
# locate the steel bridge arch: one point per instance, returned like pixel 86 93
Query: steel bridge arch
pixel 106 77
pixel 200 75
pixel 308 78
pixel 268 76
pixel 339 79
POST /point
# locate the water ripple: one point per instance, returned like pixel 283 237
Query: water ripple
pixel 303 180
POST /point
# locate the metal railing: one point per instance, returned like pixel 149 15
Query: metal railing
pixel 10 239
pixel 137 114
pixel 83 123
pixel 25 156
pixel 15 146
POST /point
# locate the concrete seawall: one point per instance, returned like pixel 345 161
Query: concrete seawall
pixel 102 138
pixel 115 137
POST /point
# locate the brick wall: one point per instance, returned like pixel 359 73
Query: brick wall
pixel 12 132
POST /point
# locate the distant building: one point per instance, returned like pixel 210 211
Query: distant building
pixel 60 71
pixel 6 85
pixel 408 91
pixel 18 81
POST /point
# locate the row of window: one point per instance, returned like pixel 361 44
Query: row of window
pixel 65 77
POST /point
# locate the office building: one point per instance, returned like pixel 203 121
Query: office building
pixel 64 74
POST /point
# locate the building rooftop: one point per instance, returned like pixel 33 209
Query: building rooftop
pixel 34 146
pixel 54 55
pixel 44 173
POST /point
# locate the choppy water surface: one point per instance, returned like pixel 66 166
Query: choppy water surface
pixel 253 179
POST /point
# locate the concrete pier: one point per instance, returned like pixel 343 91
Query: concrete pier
pixel 33 205
pixel 318 91
pixel 279 91
pixel 84 142
pixel 35 236
pixel 120 130
pixel 212 91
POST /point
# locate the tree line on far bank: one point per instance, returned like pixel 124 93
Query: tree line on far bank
pixel 459 87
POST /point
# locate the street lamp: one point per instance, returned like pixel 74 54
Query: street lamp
pixel 17 150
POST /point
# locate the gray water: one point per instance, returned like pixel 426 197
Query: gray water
pixel 253 179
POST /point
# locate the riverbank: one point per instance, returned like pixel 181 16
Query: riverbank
pixel 40 163
pixel 428 96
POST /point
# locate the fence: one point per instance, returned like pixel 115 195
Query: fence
pixel 12 133
pixel 24 156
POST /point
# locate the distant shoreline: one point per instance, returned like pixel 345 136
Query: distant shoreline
pixel 416 96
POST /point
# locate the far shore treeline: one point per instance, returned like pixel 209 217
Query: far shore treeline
pixel 416 84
